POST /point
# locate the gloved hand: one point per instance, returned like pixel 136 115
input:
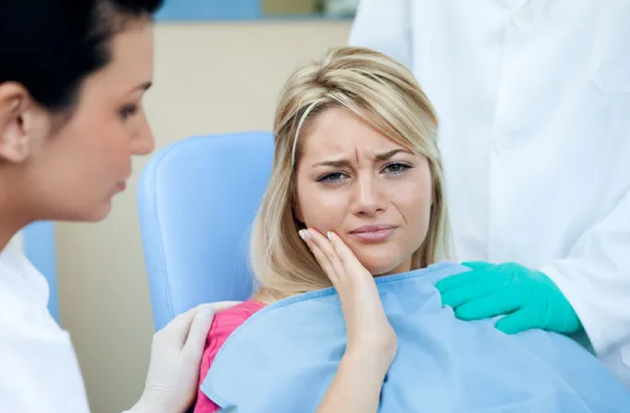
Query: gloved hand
pixel 528 298
pixel 173 377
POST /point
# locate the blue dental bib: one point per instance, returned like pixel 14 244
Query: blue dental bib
pixel 283 358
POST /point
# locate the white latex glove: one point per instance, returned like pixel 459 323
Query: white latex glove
pixel 173 377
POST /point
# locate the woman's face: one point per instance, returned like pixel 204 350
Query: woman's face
pixel 72 171
pixel 372 192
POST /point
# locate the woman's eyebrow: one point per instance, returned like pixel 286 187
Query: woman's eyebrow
pixel 144 86
pixel 337 163
pixel 386 155
pixel 342 162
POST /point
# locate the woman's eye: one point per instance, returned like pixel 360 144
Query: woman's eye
pixel 332 177
pixel 396 168
pixel 128 111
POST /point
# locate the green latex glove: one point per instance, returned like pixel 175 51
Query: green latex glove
pixel 527 298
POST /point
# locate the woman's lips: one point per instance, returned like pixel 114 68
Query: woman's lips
pixel 373 233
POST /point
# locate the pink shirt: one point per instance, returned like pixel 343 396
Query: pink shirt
pixel 223 325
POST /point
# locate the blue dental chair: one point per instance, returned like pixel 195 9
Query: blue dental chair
pixel 197 199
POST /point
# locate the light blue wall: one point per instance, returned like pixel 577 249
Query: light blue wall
pixel 228 10
pixel 193 10
pixel 39 247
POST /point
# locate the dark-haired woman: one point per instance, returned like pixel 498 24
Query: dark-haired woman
pixel 72 78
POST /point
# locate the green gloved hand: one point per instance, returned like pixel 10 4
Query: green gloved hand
pixel 528 298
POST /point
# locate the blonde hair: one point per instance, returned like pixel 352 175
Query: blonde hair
pixel 386 96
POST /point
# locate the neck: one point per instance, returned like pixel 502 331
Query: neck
pixel 8 230
pixel 404 266
pixel 13 214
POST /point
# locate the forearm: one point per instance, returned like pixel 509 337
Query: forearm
pixel 356 387
pixel 595 279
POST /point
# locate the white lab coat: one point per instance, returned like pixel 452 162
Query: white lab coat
pixel 533 98
pixel 39 371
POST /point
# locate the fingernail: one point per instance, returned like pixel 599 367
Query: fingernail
pixel 329 235
pixel 302 234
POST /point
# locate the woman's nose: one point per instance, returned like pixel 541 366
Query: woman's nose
pixel 369 196
pixel 143 142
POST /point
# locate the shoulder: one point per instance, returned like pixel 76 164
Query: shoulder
pixel 238 313
pixel 225 322
pixel 223 325
pixel 24 295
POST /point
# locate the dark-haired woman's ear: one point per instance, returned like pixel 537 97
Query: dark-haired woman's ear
pixel 21 123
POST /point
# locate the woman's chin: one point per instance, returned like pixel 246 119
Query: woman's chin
pixel 383 259
pixel 378 267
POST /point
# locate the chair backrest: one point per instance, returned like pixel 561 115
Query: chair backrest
pixel 197 199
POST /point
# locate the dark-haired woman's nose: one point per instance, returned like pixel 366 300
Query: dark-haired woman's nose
pixel 143 142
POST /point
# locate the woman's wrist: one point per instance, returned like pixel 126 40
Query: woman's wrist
pixel 369 360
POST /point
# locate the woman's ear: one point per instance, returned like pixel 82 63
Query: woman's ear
pixel 13 140
pixel 22 123
pixel 297 212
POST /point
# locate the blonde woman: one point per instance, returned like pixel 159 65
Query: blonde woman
pixel 343 248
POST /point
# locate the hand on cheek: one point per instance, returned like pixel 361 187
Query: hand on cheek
pixel 367 326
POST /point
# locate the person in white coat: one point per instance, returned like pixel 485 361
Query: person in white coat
pixel 72 77
pixel 533 98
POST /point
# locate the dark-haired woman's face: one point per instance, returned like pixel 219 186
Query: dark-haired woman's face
pixel 77 170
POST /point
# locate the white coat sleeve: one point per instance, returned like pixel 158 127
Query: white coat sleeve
pixel 385 26
pixel 595 279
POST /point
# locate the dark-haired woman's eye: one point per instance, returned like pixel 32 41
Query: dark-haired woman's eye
pixel 128 111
